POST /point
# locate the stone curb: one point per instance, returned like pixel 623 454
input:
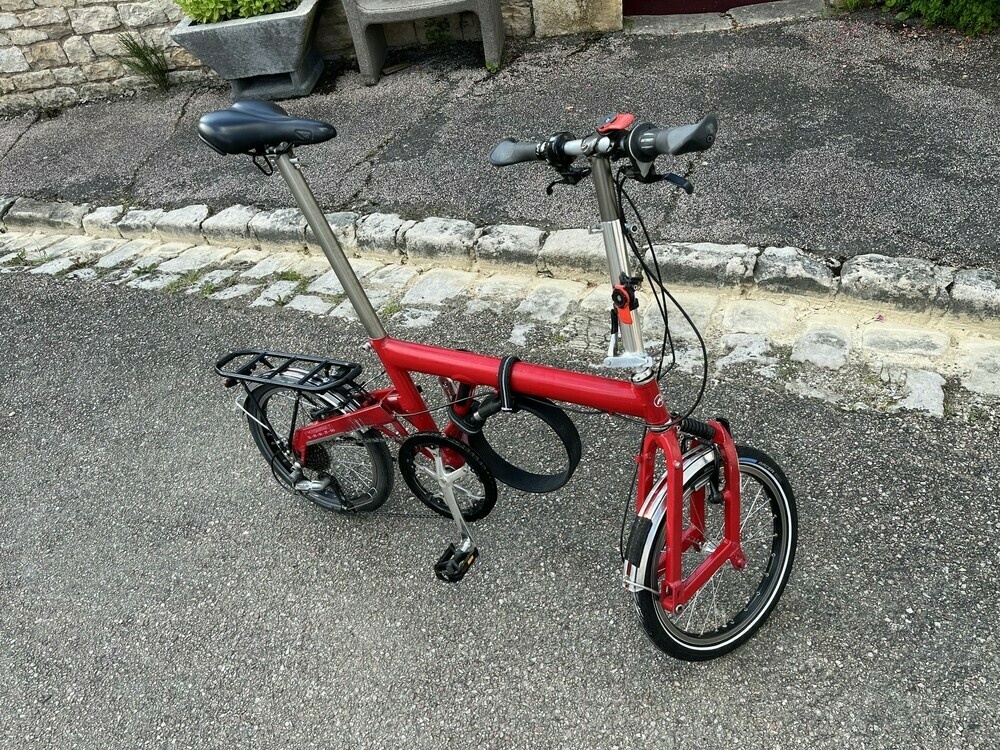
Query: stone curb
pixel 908 283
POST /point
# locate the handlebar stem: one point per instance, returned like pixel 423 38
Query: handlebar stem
pixel 617 251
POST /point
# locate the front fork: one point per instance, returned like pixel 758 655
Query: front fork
pixel 663 503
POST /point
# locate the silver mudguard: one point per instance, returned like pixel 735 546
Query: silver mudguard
pixel 696 462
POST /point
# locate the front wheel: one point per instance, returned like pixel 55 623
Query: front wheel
pixel 729 608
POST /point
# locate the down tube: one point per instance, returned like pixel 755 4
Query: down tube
pixel 642 400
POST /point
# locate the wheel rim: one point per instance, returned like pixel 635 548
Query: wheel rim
pixel 733 601
pixel 345 459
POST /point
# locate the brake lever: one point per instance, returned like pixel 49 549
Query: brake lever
pixel 569 177
pixel 682 182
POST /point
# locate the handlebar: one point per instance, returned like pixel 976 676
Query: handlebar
pixel 643 143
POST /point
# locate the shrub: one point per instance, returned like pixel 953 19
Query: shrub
pixel 213 11
pixel 145 60
pixel 968 16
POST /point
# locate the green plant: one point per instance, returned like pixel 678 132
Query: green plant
pixel 145 60
pixel 391 309
pixel 214 11
pixel 972 17
pixel 184 280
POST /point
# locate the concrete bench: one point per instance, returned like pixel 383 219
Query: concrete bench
pixel 365 19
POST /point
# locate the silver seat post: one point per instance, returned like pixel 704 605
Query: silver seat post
pixel 633 354
pixel 289 168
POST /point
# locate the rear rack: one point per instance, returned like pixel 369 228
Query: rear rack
pixel 262 366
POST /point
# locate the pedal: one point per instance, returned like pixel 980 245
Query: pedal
pixel 455 563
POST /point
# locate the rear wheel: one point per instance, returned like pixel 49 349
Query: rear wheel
pixel 732 604
pixel 349 472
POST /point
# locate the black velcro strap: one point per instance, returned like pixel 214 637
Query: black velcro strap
pixel 504 389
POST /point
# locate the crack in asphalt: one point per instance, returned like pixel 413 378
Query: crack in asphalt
pixel 127 190
pixel 35 118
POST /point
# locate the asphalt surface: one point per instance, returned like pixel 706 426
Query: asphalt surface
pixel 838 136
pixel 159 590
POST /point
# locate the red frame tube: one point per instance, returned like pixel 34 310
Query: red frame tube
pixel 641 400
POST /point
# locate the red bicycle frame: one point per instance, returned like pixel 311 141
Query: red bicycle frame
pixel 391 409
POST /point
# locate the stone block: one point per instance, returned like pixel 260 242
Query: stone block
pixel 97 248
pixel 311 266
pixel 887 340
pixel 283 227
pixel 77 50
pixel 89 20
pixel 41 79
pixel 758 316
pixel 707 263
pixel 137 15
pixel 278 293
pixel 103 221
pixel 775 12
pixel 376 233
pixel 330 285
pixel 344 226
pixel 700 307
pixel 140 223
pixel 103 70
pixel 106 45
pixel 791 269
pixel 16 103
pixel 29 213
pixel 230 227
pixel 436 237
pixel 182 224
pixel 438 286
pixel 980 361
pixel 924 390
pixel 24 37
pixel 195 259
pixel 670 25
pixel 517 20
pixel 6 202
pixel 502 288
pixel 47 55
pixel 977 291
pixel 126 253
pixel 43 17
pixel 59 96
pixel 54 267
pixel 554 17
pixel 823 346
pixel 578 249
pixel 272 265
pixel 393 277
pixel 914 282
pixel 310 304
pixel 234 291
pixel 8 21
pixel 69 76
pixel 506 243
pixel 745 348
pixel 549 301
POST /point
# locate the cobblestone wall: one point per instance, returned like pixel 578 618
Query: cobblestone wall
pixel 56 52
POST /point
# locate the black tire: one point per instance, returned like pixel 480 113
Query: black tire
pixel 357 464
pixel 476 493
pixel 747 597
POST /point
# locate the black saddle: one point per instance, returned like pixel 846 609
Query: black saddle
pixel 256 127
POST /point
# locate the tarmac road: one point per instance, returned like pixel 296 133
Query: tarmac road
pixel 159 590
pixel 839 136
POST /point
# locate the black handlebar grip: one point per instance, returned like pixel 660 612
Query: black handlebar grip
pixel 509 152
pixel 687 138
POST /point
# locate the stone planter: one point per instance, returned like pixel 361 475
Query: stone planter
pixel 267 57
